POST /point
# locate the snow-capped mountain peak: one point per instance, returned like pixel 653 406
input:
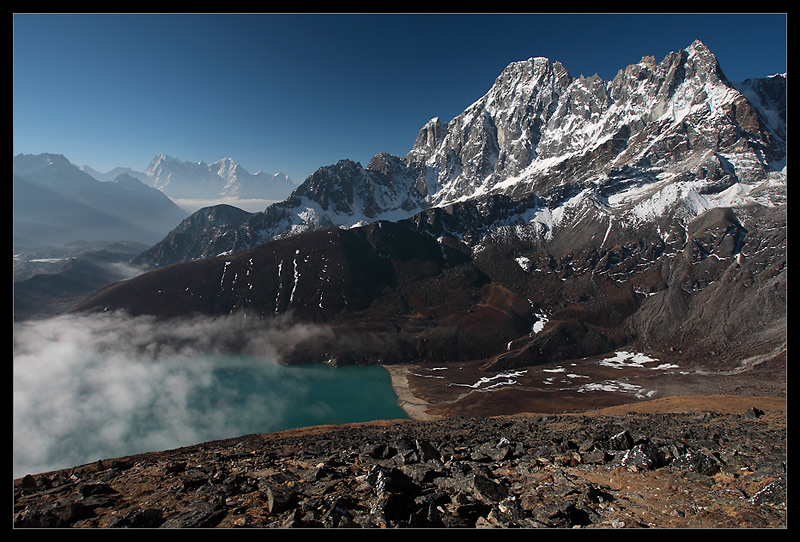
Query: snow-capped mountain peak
pixel 223 178
pixel 555 219
pixel 656 136
pixel 537 122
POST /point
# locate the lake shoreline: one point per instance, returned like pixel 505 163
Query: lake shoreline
pixel 427 394
pixel 414 406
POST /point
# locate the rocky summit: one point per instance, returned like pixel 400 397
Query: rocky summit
pixel 673 129
pixel 556 218
pixel 678 462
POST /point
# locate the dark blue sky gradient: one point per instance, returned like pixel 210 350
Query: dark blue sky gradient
pixel 293 93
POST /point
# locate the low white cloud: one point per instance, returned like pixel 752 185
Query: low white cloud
pixel 104 386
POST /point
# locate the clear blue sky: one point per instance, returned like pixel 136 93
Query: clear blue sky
pixel 293 93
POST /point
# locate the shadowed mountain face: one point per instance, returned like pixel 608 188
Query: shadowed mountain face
pixel 539 132
pixel 556 218
pixel 390 292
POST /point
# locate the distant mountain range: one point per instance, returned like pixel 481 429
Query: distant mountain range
pixel 54 202
pixel 221 179
pixel 64 216
pixel 554 219
pixel 57 202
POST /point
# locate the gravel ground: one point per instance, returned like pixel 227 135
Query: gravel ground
pixel 688 461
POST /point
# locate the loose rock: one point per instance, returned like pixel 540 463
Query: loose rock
pixel 557 471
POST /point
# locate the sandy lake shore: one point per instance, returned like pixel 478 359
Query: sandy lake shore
pixel 414 406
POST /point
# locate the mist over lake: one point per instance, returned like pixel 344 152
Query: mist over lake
pixel 89 388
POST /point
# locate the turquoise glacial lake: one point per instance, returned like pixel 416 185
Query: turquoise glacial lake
pixel 69 416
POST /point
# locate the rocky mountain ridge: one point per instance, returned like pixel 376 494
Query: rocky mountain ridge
pixel 391 292
pixel 671 129
pixel 663 230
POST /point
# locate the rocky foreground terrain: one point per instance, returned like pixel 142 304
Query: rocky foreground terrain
pixel 685 461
